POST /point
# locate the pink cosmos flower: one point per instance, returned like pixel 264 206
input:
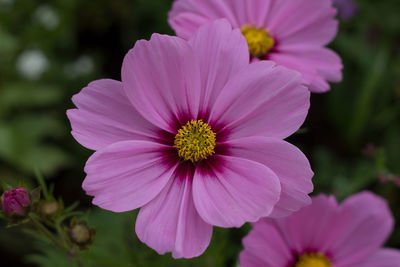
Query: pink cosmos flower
pixel 325 234
pixel 194 139
pixel 291 33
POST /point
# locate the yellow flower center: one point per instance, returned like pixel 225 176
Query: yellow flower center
pixel 258 40
pixel 313 260
pixel 195 141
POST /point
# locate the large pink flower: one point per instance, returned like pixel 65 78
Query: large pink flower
pixel 325 234
pixel 292 33
pixel 194 139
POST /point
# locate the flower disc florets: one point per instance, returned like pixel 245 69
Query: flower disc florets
pixel 258 40
pixel 313 260
pixel 195 141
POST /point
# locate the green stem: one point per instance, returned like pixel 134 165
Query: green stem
pixel 78 262
pixel 365 100
pixel 46 232
pixel 61 232
pixel 73 255
pixel 42 184
pixel 63 245
pixel 74 213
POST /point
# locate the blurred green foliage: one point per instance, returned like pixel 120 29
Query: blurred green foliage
pixel 49 50
pixel 117 245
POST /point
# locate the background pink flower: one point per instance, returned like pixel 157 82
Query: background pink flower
pixel 325 234
pixel 347 8
pixel 291 33
pixel 194 139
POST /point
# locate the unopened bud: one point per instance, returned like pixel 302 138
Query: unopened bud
pixel 81 234
pixel 15 201
pixel 49 208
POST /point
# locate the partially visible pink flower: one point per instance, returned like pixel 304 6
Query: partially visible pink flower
pixel 292 33
pixel 347 8
pixel 15 201
pixel 325 234
pixel 193 135
pixel 396 180
pixel 369 150
pixel 384 178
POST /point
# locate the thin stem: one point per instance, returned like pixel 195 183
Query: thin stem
pixel 72 207
pixel 46 232
pixel 63 245
pixel 43 186
pixel 73 213
pixel 73 255
pixel 78 261
pixel 365 100
pixel 61 232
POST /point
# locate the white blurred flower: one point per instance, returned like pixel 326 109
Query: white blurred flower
pixel 5 5
pixel 6 2
pixel 82 66
pixel 47 17
pixel 32 64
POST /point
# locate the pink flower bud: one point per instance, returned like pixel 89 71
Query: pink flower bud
pixel 369 150
pixel 383 178
pixel 396 181
pixel 15 201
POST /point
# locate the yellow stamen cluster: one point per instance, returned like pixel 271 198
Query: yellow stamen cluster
pixel 258 40
pixel 195 141
pixel 313 260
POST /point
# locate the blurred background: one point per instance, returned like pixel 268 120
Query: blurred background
pixel 49 50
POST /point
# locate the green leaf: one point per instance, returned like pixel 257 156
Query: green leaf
pixel 23 95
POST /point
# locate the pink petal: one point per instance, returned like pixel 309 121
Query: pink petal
pixel 234 191
pixel 22 196
pixel 186 24
pixel 11 206
pixel 170 222
pixel 253 12
pixel 222 53
pixel 127 175
pixel 314 227
pixel 367 229
pixel 316 64
pixel 303 21
pixel 287 162
pixel 186 16
pixel 385 257
pixel 162 80
pixel 347 234
pixel 263 100
pixel 104 116
pixel 264 246
pixel 290 22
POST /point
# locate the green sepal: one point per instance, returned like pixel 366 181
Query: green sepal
pixel 35 195
pixel 17 221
